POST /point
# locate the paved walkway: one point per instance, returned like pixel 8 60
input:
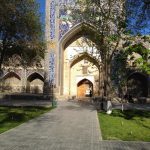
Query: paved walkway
pixel 71 126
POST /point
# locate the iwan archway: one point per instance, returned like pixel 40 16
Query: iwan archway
pixel 60 34
pixel 61 30
pixel 78 31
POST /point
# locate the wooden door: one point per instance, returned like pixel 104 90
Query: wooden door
pixel 82 89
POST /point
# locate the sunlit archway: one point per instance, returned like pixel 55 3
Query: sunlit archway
pixel 11 82
pixel 78 54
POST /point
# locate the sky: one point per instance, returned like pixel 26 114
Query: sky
pixel 42 9
pixel 42 12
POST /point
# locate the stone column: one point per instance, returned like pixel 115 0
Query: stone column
pixel 24 79
pixel 50 53
pixel 47 38
pixel 101 93
pixel 57 51
pixel 46 88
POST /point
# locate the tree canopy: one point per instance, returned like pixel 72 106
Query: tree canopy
pixel 111 19
pixel 138 16
pixel 20 29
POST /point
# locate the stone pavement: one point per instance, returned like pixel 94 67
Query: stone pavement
pixel 71 126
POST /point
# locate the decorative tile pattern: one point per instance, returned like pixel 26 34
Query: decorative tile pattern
pixel 52 68
pixel 52 19
pixel 66 21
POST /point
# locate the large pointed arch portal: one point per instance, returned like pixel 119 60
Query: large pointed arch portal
pixel 80 30
pixel 58 39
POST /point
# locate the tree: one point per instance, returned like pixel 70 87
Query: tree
pixel 110 20
pixel 133 57
pixel 108 17
pixel 142 49
pixel 20 29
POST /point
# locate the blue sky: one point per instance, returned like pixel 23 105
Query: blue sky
pixel 42 9
pixel 42 12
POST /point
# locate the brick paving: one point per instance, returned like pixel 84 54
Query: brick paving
pixel 71 126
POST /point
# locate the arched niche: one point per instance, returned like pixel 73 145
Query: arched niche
pixel 137 85
pixel 11 82
pixel 85 56
pixel 84 66
pixel 35 83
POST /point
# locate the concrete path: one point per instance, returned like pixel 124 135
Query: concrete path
pixel 71 126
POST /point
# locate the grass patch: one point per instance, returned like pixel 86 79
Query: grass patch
pixel 129 125
pixel 11 117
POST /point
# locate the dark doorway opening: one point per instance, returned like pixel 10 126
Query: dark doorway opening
pixel 137 85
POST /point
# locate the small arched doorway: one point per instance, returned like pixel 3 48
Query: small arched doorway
pixel 11 82
pixel 84 88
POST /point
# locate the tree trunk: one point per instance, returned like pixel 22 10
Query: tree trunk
pixel 2 58
pixel 107 80
pixel 3 50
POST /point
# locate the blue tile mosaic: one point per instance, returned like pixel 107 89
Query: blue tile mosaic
pixel 52 19
pixel 52 68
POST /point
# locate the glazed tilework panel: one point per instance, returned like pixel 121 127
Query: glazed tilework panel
pixel 52 68
pixel 52 19
pixel 64 22
pixel 65 19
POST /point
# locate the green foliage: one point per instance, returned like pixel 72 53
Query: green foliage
pixel 143 65
pixel 110 21
pixel 20 28
pixel 140 49
pixel 119 70
pixel 143 62
pixel 104 15
pixel 113 38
